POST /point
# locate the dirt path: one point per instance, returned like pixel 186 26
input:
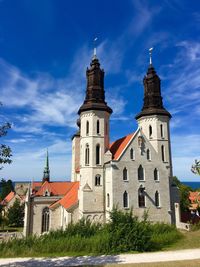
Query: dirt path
pixel 187 254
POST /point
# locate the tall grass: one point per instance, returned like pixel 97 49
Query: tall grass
pixel 124 233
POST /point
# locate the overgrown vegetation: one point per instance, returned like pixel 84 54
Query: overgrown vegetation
pixel 124 233
pixel 15 214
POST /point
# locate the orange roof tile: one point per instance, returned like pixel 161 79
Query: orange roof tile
pixel 70 199
pixel 119 145
pixel 8 198
pixel 194 196
pixel 55 188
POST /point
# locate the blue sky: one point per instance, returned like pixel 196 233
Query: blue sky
pixel 45 47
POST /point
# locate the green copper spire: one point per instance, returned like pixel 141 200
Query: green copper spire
pixel 46 175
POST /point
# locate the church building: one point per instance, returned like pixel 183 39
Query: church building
pixel 134 172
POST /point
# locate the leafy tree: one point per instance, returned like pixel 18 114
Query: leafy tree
pixel 184 191
pixel 16 214
pixel 5 151
pixel 6 188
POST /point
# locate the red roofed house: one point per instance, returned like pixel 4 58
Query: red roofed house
pixel 134 171
pixel 194 198
pixel 9 200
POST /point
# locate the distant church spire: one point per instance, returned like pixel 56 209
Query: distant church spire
pixel 46 175
pixel 95 94
pixel 153 104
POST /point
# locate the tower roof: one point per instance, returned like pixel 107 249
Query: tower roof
pixel 153 104
pixel 46 173
pixel 95 94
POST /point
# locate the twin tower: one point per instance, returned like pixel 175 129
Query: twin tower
pixel 99 165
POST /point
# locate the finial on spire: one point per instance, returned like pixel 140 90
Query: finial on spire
pixel 150 53
pixel 95 47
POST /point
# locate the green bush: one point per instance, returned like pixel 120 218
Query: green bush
pixel 123 233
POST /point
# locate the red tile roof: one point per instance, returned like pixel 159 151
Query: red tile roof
pixel 119 145
pixel 8 198
pixel 70 199
pixel 54 188
pixel 194 196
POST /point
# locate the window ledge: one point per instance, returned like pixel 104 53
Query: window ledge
pixel 158 207
pixel 141 181
pixel 142 207
pixel 156 181
pixel 125 180
pixel 126 208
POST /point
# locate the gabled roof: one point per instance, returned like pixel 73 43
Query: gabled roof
pixel 54 188
pixel 8 198
pixel 70 199
pixel 119 145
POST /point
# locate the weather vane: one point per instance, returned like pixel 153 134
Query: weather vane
pixel 95 47
pixel 150 53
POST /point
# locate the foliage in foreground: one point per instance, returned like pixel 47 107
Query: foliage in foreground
pixel 124 233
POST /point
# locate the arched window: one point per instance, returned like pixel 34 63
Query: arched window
pixel 97 154
pixel 125 200
pixel 150 131
pixel 45 220
pixel 140 173
pixel 155 173
pixel 163 153
pixel 87 127
pixel 141 199
pixel 125 174
pixel 132 154
pixel 97 180
pixel 157 199
pixel 148 154
pixel 108 200
pixel 161 131
pixel 87 155
pixel 98 127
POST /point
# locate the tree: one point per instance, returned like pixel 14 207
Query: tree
pixel 5 151
pixel 6 188
pixel 184 191
pixel 16 214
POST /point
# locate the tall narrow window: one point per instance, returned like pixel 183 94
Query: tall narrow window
pixel 161 131
pixel 97 154
pixel 87 155
pixel 132 154
pixel 157 199
pixel 125 174
pixel 140 173
pixel 141 199
pixel 97 180
pixel 98 127
pixel 150 131
pixel 45 220
pixel 108 200
pixel 106 128
pixel 87 127
pixel 125 200
pixel 163 153
pixel 148 154
pixel 156 177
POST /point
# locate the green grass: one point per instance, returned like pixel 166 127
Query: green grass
pixel 185 263
pixel 189 240
pixel 11 229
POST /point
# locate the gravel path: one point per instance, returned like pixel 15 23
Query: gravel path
pixel 187 254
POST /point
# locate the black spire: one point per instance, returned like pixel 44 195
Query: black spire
pixel 46 173
pixel 153 104
pixel 95 94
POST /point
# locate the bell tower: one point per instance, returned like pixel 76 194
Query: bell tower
pixel 94 143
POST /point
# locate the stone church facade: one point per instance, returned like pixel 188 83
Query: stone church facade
pixel 134 172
